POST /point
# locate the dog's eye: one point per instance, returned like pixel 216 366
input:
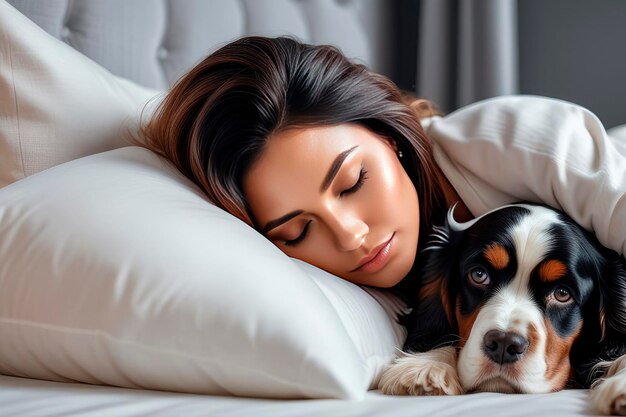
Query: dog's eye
pixel 479 276
pixel 562 294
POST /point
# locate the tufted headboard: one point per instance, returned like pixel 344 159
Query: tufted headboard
pixel 153 42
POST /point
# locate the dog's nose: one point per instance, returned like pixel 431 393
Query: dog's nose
pixel 504 347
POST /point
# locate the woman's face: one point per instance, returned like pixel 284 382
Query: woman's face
pixel 335 196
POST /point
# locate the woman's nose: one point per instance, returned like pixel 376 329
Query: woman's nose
pixel 349 230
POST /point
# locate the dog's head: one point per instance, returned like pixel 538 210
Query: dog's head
pixel 528 292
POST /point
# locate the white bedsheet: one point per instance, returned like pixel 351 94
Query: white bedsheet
pixel 21 397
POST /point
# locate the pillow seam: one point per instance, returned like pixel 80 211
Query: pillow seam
pixel 17 110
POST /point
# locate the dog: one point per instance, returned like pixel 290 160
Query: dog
pixel 519 300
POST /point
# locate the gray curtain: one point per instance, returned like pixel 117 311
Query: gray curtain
pixel 467 51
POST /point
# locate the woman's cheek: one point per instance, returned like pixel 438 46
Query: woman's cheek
pixel 318 249
pixel 387 189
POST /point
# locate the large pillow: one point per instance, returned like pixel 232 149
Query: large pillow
pixel 56 104
pixel 114 269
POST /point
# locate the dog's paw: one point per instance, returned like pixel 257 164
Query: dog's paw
pixel 418 375
pixel 609 396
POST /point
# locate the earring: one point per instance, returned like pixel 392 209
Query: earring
pixel 399 154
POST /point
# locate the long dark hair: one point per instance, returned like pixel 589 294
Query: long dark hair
pixel 217 118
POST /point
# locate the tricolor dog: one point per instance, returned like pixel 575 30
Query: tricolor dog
pixel 519 300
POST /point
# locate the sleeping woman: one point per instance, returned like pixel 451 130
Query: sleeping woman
pixel 336 167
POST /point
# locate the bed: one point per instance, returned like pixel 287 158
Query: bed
pixel 29 397
pixel 130 342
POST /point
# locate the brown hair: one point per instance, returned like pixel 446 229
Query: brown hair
pixel 215 121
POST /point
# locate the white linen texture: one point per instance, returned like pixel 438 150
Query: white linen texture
pixel 538 149
pixel 114 269
pixel 55 103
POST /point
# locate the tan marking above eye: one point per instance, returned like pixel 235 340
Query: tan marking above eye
pixel 497 256
pixel 552 270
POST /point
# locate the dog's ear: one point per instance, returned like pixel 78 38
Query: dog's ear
pixel 604 341
pixel 432 322
pixel 612 292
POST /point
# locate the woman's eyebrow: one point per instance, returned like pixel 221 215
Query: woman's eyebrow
pixel 334 168
pixel 283 219
pixel 328 179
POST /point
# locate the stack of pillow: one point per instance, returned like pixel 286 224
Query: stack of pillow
pixel 115 269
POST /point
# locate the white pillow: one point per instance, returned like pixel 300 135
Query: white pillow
pixel 114 269
pixel 56 104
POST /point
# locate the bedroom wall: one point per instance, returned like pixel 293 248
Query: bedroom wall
pixel 155 42
pixel 574 50
pixel 569 49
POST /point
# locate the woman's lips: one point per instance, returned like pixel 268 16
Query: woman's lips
pixel 379 260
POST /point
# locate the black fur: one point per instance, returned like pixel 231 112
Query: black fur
pixel 597 282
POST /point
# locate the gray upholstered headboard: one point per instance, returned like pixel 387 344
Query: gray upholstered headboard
pixel 153 42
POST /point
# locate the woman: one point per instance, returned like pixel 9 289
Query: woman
pixel 330 162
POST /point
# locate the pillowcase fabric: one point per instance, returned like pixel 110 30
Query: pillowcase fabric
pixel 55 103
pixel 618 132
pixel 114 269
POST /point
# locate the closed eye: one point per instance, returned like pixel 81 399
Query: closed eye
pixel 351 190
pixel 358 185
pixel 300 238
